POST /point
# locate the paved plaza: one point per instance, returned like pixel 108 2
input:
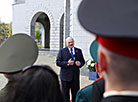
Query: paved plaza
pixel 49 58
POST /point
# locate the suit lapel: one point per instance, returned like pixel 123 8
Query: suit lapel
pixel 67 51
pixel 76 51
pixel 76 54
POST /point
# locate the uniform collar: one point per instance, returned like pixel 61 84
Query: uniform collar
pixel 122 93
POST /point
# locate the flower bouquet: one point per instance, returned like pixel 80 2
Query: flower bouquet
pixel 92 70
pixel 90 64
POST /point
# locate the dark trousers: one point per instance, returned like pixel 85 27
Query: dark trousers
pixel 66 86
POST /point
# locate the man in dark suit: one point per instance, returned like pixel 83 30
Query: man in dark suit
pixel 115 23
pixel 70 59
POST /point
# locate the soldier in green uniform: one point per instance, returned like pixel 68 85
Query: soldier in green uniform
pixel 85 94
pixel 17 52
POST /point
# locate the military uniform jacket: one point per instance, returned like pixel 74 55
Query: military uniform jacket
pixel 84 94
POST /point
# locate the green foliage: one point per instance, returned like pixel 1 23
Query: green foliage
pixel 5 30
pixel 37 25
pixel 39 45
pixel 10 30
pixel 37 32
pixel 37 35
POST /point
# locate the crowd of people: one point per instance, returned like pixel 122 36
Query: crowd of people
pixel 39 83
pixel 114 22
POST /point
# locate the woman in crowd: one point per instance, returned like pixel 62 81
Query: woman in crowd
pixel 37 84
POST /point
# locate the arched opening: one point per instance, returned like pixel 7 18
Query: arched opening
pixel 44 21
pixel 61 31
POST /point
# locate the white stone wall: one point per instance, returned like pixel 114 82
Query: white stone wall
pixel 23 14
pixel 18 19
pixel 82 38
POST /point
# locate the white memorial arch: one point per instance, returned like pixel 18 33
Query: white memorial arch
pixel 58 18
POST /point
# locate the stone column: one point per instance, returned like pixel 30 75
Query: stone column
pixel 66 19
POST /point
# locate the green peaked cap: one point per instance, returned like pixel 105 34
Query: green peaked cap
pixel 93 50
pixel 17 52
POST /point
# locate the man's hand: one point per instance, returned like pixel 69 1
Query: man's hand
pixel 70 62
pixel 78 63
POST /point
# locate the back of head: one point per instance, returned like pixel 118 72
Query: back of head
pixel 120 67
pixel 12 76
pixel 38 84
pixel 119 39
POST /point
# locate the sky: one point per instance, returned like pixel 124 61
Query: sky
pixel 6 10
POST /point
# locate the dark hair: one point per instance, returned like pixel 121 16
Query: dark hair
pixel 38 84
pixel 12 76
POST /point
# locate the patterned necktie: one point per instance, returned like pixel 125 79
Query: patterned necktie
pixel 71 52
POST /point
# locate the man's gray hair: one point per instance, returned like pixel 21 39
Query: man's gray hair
pixel 69 38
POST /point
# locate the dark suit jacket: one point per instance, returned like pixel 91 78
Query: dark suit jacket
pixel 120 99
pixel 67 73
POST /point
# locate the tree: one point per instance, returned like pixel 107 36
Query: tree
pixel 37 35
pixel 5 31
pixel 10 30
pixel 37 32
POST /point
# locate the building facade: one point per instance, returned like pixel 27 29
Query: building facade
pixel 58 18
